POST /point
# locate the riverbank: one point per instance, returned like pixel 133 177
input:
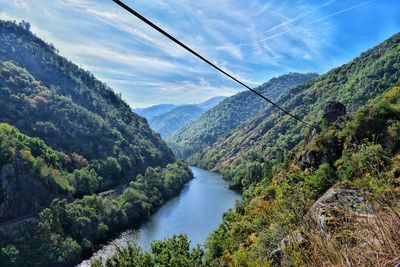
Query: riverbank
pixel 196 212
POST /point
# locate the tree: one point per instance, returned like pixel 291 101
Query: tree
pixel 85 181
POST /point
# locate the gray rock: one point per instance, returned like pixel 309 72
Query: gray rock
pixel 334 110
pixel 340 200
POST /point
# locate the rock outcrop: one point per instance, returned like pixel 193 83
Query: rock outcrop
pixel 333 111
pixel 337 204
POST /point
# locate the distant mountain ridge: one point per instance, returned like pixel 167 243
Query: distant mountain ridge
pixel 169 118
pixel 219 121
pixel 154 110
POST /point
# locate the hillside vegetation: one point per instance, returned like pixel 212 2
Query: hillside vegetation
pixel 66 232
pixel 219 121
pixel 65 137
pixel 153 111
pixel 44 95
pixel 244 156
pixel 292 218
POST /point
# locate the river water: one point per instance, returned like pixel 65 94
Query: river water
pixel 196 212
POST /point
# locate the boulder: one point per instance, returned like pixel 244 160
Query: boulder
pixel 334 110
pixel 337 204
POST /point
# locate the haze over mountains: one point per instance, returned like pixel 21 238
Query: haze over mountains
pixel 168 118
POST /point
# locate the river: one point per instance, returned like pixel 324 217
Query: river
pixel 196 212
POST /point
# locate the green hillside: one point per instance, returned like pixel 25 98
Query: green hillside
pixel 331 200
pixel 46 96
pixel 323 214
pixel 267 137
pixel 219 121
pixel 64 138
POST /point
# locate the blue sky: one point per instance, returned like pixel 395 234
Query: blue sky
pixel 255 40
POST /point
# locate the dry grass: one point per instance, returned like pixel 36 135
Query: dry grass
pixel 372 240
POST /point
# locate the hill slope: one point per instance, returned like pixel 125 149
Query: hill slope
pixel 324 214
pixel 47 96
pixel 269 134
pixel 175 119
pixel 168 118
pixel 227 115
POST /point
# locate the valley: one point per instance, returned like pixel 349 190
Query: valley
pixel 177 217
pixel 302 170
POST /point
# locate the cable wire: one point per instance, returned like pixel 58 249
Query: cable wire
pixel 157 28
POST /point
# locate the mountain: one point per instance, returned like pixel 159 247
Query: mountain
pixel 77 166
pixel 173 119
pixel 153 111
pixel 267 136
pixel 47 97
pixel 219 121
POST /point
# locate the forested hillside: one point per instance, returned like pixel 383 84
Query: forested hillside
pixel 335 202
pixel 243 155
pixel 32 174
pixel 46 96
pixel 167 119
pixel 219 121
pixel 64 138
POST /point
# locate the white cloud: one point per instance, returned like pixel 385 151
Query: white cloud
pixel 246 38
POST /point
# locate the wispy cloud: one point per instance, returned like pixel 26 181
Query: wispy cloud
pixel 285 23
pixel 254 40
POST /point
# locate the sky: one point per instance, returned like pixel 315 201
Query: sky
pixel 254 40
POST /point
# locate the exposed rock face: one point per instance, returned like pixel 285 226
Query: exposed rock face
pixel 334 110
pixel 330 210
pixel 337 207
pixel 313 132
pixel 323 148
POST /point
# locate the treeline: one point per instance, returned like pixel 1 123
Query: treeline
pixel 66 232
